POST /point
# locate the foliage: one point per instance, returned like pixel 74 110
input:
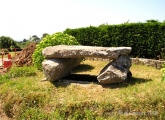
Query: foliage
pixel 22 44
pixel 51 40
pixel 152 21
pixel 44 35
pixel 7 42
pixel 34 38
pixel 146 39
pixel 24 40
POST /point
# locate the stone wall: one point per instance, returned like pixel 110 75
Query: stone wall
pixel 149 62
pixel 142 61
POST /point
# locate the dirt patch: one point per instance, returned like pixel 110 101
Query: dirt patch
pixel 24 58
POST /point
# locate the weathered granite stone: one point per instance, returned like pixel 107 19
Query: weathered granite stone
pixel 61 59
pixel 55 69
pixel 116 71
pixel 64 51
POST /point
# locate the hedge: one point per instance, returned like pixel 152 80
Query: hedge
pixel 146 39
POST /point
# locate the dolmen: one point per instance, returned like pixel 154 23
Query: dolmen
pixel 61 59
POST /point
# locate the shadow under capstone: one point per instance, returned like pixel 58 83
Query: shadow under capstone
pixel 77 79
pixel 82 68
pixel 86 79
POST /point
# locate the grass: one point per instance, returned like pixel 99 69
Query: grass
pixel 141 97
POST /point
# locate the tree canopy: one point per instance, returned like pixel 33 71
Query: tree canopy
pixel 7 42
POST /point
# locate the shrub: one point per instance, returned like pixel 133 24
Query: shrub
pixel 51 40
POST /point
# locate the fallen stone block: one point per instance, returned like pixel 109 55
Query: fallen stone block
pixel 116 71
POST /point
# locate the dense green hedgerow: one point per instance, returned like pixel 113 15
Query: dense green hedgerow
pixel 51 40
pixel 146 39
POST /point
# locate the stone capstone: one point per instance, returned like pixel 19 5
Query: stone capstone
pixel 116 71
pixel 61 59
pixel 64 51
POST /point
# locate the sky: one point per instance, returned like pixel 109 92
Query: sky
pixel 21 19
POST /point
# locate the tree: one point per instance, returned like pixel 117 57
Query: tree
pixel 35 38
pixel 44 35
pixel 24 40
pixel 7 42
pixel 152 21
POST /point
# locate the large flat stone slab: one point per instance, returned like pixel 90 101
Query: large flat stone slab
pixel 75 51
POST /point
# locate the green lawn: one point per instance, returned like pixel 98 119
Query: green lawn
pixel 27 98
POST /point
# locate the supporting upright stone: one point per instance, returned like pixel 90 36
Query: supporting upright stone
pixel 55 69
pixel 116 71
